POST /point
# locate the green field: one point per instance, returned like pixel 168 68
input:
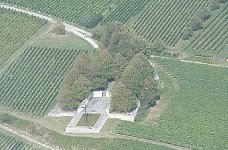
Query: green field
pixel 74 11
pixel 15 29
pixel 9 141
pixel 166 20
pixel 197 114
pixel 213 38
pixel 31 84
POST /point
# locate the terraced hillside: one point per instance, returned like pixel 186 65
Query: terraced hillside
pixel 9 141
pixel 31 84
pixel 197 114
pixel 214 37
pixel 70 10
pixel 15 29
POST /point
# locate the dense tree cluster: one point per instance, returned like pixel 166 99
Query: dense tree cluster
pixel 121 58
pixel 91 71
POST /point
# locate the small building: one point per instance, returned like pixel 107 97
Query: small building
pixel 98 94
pixel 101 94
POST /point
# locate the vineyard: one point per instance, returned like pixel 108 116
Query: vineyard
pixel 9 141
pixel 197 114
pixel 15 29
pixel 70 10
pixel 126 10
pixel 213 38
pixel 31 84
pixel 166 20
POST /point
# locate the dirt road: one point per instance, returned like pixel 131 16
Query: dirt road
pixel 28 138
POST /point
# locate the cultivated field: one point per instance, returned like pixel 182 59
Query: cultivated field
pixel 31 84
pixel 15 29
pixel 213 38
pixel 166 20
pixel 9 141
pixel 196 116
pixel 70 10
pixel 126 10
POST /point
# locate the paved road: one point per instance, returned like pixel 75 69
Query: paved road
pixel 77 31
pixel 28 138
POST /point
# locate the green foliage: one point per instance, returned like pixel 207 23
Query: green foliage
pixel 204 14
pixel 149 92
pixel 59 28
pixel 187 34
pixel 196 23
pixel 91 71
pixel 123 99
pixel 6 118
pixel 93 21
pixel 16 28
pixel 212 39
pixel 166 20
pixel 117 38
pixel 30 85
pixel 214 5
pixel 195 116
pixel 132 78
pixel 120 63
pixel 158 46
pixel 80 89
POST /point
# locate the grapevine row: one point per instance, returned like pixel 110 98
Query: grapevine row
pixel 70 10
pixel 166 19
pixel 31 84
pixel 15 29
pixel 196 116
pixel 126 10
pixel 213 38
pixel 12 142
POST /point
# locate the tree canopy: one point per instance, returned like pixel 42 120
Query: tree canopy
pixel 122 99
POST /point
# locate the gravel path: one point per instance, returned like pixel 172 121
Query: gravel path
pixel 28 138
pixel 77 31
pixel 189 61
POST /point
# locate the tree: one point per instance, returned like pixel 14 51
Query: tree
pixel 223 1
pixel 120 63
pixel 149 92
pixel 132 78
pixel 59 28
pixel 187 34
pixel 214 5
pixel 196 23
pixel 141 63
pixel 204 14
pixel 158 46
pixel 122 99
pixel 80 89
pixel 91 22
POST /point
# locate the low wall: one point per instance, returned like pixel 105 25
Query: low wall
pixel 121 117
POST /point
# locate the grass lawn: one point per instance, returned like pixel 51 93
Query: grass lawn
pixel 37 131
pixel 90 121
pixel 67 41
